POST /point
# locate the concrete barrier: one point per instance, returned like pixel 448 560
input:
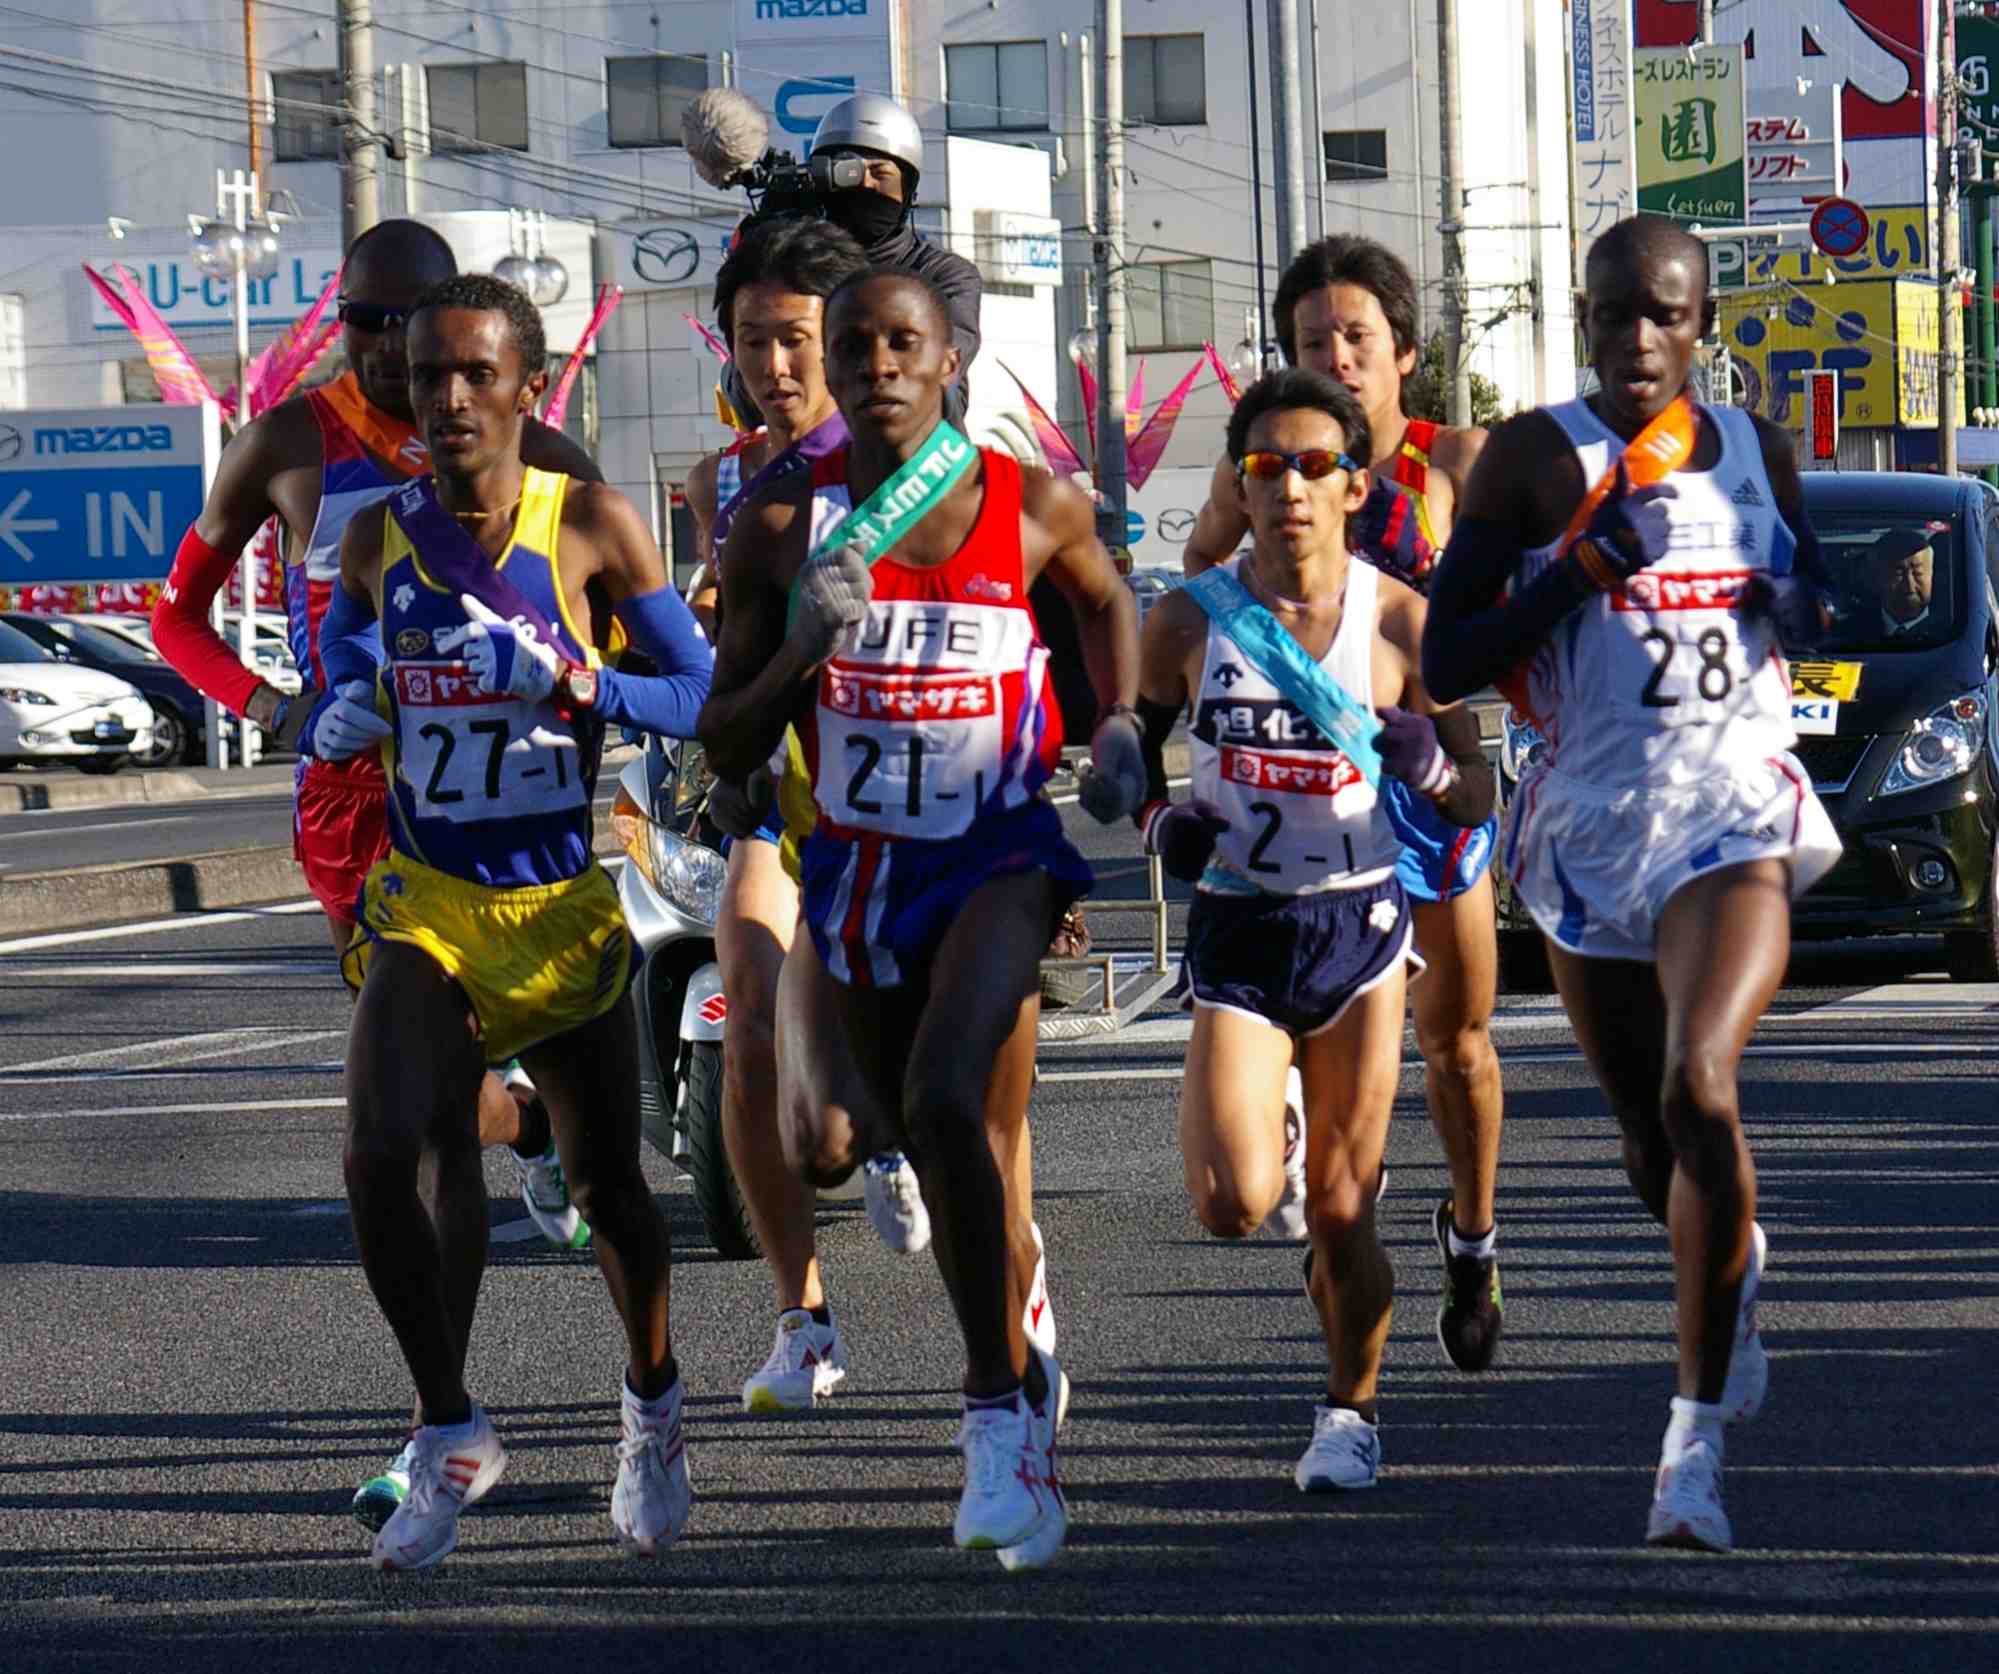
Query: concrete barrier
pixel 23 795
pixel 35 902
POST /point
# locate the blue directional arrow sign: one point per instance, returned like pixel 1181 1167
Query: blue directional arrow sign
pixel 101 493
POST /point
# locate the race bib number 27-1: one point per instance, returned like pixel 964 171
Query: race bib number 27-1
pixel 471 756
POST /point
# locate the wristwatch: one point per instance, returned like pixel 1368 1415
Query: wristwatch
pixel 576 687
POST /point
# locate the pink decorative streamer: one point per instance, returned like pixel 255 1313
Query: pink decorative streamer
pixel 1134 402
pixel 285 360
pixel 1087 377
pixel 1230 387
pixel 1055 443
pixel 608 298
pixel 715 344
pixel 174 370
pixel 1150 443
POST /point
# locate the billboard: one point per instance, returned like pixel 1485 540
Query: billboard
pixel 1603 190
pixel 1879 335
pixel 1688 115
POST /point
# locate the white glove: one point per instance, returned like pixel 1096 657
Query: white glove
pixel 503 656
pixel 833 594
pixel 348 724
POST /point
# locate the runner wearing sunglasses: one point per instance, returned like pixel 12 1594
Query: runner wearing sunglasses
pixel 1647 559
pixel 312 462
pixel 920 689
pixel 1346 307
pixel 1300 668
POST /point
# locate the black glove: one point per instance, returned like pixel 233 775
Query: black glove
pixel 1112 783
pixel 1788 606
pixel 740 809
pixel 1408 747
pixel 1629 531
pixel 1183 836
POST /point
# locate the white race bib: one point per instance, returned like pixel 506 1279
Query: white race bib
pixel 472 757
pixel 907 755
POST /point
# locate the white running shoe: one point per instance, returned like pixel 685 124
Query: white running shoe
pixel 1287 1219
pixel 1037 1319
pixel 1686 1502
pixel 546 1193
pixel 375 1501
pixel 450 1467
pixel 1044 1424
pixel 1345 1452
pixel 805 1363
pixel 1748 1366
pixel 652 1498
pixel 1004 1503
pixel 895 1202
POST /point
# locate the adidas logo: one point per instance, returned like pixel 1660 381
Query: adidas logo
pixel 1747 494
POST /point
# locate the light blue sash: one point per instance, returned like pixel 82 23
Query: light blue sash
pixel 1281 660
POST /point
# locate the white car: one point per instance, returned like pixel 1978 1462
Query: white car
pixel 57 712
pixel 270 651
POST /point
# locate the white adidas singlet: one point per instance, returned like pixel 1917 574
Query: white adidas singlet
pixel 1660 683
pixel 1302 818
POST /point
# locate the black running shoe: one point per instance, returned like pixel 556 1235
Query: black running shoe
pixel 1468 1322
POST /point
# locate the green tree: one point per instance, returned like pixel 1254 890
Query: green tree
pixel 1426 392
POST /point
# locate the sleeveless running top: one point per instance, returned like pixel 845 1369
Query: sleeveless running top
pixel 729 485
pixel 1660 683
pixel 349 480
pixel 939 712
pixel 492 789
pixel 1302 818
pixel 1392 529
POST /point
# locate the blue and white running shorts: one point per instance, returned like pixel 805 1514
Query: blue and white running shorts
pixel 1439 860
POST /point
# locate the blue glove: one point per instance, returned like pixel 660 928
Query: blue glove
pixel 344 722
pixel 1630 530
pixel 1183 835
pixel 1788 606
pixel 1408 747
pixel 504 657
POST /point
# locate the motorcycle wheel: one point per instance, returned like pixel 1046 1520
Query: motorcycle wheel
pixel 721 1204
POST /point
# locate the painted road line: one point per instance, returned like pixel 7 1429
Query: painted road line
pixel 152 926
pixel 75 970
pixel 175 1049
pixel 99 825
pixel 223 1107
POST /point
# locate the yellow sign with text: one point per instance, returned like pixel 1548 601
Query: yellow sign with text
pixel 1898 245
pixel 1838 681
pixel 1879 335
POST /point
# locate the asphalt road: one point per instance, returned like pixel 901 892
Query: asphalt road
pixel 195 1378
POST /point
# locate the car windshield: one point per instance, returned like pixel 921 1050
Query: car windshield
pixel 102 642
pixel 17 647
pixel 1898 581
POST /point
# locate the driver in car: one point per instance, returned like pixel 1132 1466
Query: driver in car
pixel 1901 570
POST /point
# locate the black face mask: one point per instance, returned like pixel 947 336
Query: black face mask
pixel 868 215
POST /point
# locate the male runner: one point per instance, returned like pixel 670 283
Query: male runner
pixel 1346 306
pixel 313 462
pixel 1300 934
pixel 936 871
pixel 489 931
pixel 769 301
pixel 1660 844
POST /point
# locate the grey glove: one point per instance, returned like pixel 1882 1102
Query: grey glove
pixel 832 594
pixel 1112 783
pixel 740 809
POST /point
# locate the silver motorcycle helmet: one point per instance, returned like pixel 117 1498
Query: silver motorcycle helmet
pixel 874 123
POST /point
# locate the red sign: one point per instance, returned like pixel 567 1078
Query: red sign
pixel 1325 774
pixel 1653 590
pixel 714 1009
pixel 1822 416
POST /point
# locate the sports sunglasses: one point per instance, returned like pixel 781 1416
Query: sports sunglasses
pixel 371 316
pixel 1266 465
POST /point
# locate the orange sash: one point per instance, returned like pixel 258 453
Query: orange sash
pixel 386 437
pixel 1660 449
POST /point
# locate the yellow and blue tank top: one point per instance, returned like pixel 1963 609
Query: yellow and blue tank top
pixel 489 788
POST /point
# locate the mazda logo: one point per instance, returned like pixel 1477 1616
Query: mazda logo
pixel 10 444
pixel 1176 524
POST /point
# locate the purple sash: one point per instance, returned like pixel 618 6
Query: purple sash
pixel 460 563
pixel 814 444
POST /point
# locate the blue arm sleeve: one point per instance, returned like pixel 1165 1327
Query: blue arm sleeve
pixel 350 641
pixel 667 703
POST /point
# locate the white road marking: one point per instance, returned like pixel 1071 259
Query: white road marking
pixel 222 1107
pixel 152 926
pixel 74 970
pixel 177 1049
pixel 99 825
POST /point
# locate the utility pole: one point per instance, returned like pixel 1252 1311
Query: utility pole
pixel 1950 359
pixel 1450 163
pixel 1262 338
pixel 360 141
pixel 250 89
pixel 1318 126
pixel 1110 278
pixel 1285 122
pixel 1705 36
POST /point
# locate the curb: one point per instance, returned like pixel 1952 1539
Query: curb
pixel 41 901
pixel 86 792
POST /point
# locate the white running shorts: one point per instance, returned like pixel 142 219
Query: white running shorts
pixel 1596 866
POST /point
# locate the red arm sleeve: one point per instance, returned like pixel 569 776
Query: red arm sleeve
pixel 182 631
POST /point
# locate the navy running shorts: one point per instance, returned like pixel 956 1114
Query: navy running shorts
pixel 1296 961
pixel 878 906
pixel 1439 860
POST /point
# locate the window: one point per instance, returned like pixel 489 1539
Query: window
pixel 1357 154
pixel 1170 305
pixel 300 132
pixel 475 105
pixel 1165 80
pixel 646 95
pixel 998 86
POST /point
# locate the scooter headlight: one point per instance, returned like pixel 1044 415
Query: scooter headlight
pixel 687 875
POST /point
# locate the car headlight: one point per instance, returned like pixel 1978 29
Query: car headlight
pixel 23 694
pixel 689 875
pixel 1942 745
pixel 1521 746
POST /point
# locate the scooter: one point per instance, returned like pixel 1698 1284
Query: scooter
pixel 671 889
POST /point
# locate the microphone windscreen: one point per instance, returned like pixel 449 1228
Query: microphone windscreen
pixel 724 133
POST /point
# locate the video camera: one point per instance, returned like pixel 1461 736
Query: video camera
pixel 779 185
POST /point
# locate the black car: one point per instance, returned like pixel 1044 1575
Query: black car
pixel 179 712
pixel 1897 713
